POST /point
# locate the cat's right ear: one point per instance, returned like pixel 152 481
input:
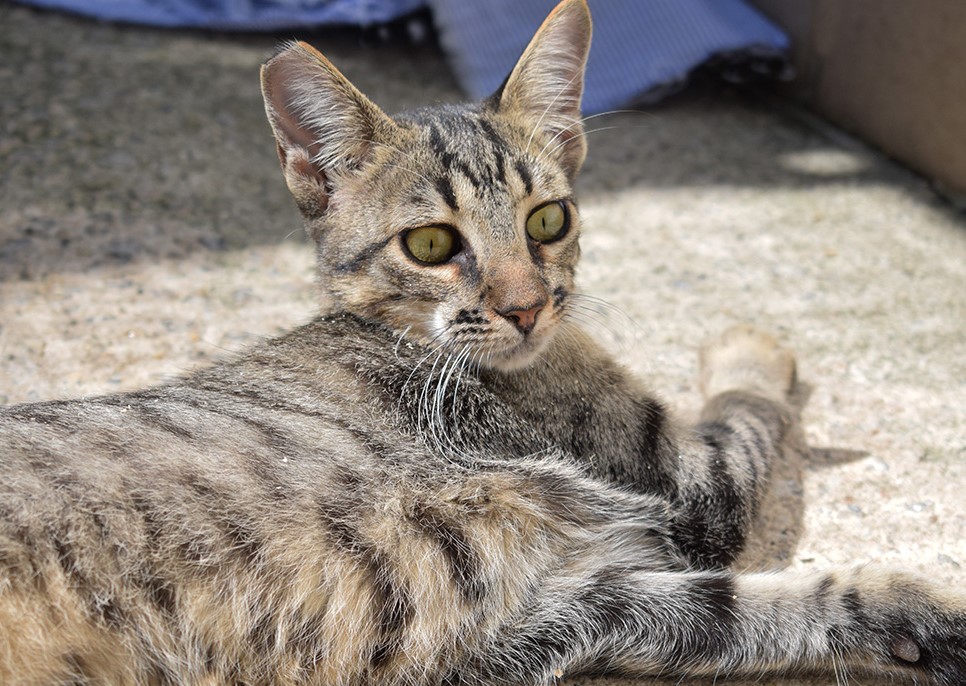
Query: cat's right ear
pixel 545 86
pixel 325 128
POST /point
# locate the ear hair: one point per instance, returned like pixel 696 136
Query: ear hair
pixel 324 127
pixel 547 82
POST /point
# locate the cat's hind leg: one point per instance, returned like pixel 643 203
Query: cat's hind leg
pixel 608 618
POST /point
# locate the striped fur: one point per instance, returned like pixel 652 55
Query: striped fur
pixel 414 488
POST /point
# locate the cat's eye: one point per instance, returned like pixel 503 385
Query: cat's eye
pixel 548 222
pixel 431 244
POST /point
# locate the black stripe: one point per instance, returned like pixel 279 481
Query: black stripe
pixel 336 522
pixel 445 189
pixel 99 604
pixel 822 591
pixel 355 263
pixel 651 470
pixel 304 643
pixel 262 635
pixel 394 611
pixel 145 412
pixel 154 417
pixel 54 414
pixel 568 501
pixel 495 138
pixel 464 169
pixel 68 565
pixel 709 526
pixel 392 607
pixel 79 672
pixel 275 438
pixel 110 613
pixel 771 414
pixel 709 611
pixel 211 659
pixel 264 397
pixel 436 141
pixel 525 176
pixel 159 592
pixel 718 595
pixel 498 148
pixel 241 535
pixel 852 605
pixel 559 295
pixel 244 540
pixel 470 317
pixel 159 673
pixel 464 564
pixel 724 490
pixel 500 158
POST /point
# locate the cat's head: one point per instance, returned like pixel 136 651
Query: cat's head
pixel 455 225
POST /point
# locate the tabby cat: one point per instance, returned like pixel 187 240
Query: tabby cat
pixel 441 480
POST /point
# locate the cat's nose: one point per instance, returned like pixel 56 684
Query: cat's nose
pixel 524 318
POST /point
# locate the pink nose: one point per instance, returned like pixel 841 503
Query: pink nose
pixel 523 318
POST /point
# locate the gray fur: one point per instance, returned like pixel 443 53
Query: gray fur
pixel 413 488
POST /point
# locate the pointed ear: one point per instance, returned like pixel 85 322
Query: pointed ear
pixel 546 84
pixel 324 127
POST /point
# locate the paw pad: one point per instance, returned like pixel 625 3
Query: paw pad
pixel 905 649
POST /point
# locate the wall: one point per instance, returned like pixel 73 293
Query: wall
pixel 893 72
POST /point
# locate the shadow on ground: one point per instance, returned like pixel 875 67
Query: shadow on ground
pixel 122 143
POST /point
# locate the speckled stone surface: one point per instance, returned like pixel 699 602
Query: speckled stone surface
pixel 145 229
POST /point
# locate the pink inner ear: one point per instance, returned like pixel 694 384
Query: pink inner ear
pixel 279 74
pixel 305 168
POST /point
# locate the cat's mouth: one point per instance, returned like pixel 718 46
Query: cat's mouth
pixel 483 338
pixel 523 351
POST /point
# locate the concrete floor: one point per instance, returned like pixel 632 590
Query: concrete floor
pixel 145 229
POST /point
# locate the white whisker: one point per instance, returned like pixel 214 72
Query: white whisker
pixel 580 122
pixel 584 134
pixel 546 111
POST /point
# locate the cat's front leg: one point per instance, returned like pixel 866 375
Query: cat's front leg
pixel 712 475
pixel 725 460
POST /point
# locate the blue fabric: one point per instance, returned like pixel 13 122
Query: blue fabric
pixel 239 15
pixel 640 48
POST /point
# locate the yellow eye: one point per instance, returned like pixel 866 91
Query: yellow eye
pixel 431 244
pixel 547 222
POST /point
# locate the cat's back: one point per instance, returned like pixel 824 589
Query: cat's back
pixel 280 429
pixel 309 378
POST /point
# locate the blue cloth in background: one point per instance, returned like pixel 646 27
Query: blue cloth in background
pixel 239 15
pixel 641 49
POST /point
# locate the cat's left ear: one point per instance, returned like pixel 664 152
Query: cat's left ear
pixel 324 126
pixel 547 82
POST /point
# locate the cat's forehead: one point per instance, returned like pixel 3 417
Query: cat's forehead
pixel 486 149
pixel 460 134
pixel 454 126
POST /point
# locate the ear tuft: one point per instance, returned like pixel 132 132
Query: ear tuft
pixel 324 127
pixel 547 83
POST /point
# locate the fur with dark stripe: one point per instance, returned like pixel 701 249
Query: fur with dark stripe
pixel 442 480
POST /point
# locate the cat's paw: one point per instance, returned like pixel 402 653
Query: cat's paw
pixel 943 654
pixel 912 629
pixel 926 639
pixel 744 358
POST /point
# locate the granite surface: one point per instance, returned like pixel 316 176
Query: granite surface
pixel 145 229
